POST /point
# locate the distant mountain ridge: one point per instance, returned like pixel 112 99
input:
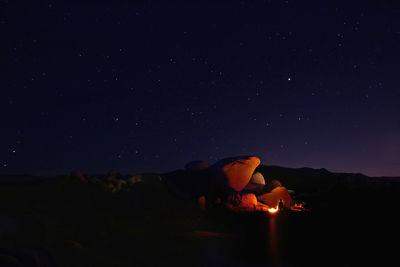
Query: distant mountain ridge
pixel 322 171
pixel 309 180
pixel 287 175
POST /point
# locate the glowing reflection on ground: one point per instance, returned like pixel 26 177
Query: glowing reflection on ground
pixel 273 249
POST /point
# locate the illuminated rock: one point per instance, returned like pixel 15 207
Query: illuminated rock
pixel 256 184
pixel 237 171
pixel 257 178
pixel 272 198
pixel 220 184
pixel 254 188
pixel 196 165
pixel 246 202
pixel 271 185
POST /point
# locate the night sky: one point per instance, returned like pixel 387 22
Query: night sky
pixel 149 86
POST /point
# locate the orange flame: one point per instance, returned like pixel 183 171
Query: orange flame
pixel 273 210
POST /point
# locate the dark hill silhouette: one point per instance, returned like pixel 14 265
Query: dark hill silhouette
pixel 292 177
pixel 309 179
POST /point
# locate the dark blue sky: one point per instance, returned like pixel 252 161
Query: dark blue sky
pixel 149 86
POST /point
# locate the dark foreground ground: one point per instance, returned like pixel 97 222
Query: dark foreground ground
pixel 60 221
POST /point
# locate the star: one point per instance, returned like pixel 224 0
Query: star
pixel 266 74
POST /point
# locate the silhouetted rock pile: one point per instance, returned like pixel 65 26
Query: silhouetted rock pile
pixel 230 182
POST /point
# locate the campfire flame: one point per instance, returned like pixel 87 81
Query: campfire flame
pixel 299 207
pixel 273 210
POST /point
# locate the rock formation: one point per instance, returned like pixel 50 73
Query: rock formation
pixel 238 171
pixel 272 198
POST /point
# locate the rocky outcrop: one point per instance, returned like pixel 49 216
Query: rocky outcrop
pixel 134 179
pixel 237 171
pixel 271 185
pixel 244 202
pixel 273 198
pixel 256 184
pixel 257 178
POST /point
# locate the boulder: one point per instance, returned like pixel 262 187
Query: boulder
pixel 271 185
pixel 246 202
pixel 257 178
pixel 256 184
pixel 272 198
pixel 196 165
pixel 254 188
pixel 237 171
pixel 135 179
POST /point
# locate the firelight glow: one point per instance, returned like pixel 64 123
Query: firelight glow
pixel 273 210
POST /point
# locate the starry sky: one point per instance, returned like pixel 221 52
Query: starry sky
pixel 142 86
